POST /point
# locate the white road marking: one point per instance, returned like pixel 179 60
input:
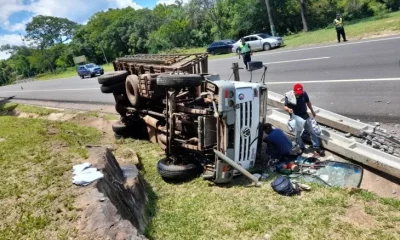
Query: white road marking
pixel 52 90
pixel 298 60
pixel 311 48
pixel 337 81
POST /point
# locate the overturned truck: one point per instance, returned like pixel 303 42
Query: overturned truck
pixel 172 100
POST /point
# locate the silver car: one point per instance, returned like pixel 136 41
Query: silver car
pixel 261 41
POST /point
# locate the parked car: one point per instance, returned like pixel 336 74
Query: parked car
pixel 260 41
pixel 223 46
pixel 90 69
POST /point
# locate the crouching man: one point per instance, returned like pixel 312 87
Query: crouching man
pixel 278 144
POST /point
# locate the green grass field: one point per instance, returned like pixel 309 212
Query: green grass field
pixel 197 210
pixel 36 157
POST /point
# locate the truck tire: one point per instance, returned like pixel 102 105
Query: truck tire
pixel 132 91
pixel 266 46
pixel 112 78
pixel 179 81
pixel 116 88
pixel 177 172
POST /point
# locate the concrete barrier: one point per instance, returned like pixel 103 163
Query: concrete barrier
pixel 346 147
pixel 328 118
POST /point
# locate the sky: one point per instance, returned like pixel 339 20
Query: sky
pixel 15 14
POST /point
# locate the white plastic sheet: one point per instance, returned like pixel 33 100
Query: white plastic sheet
pixel 85 174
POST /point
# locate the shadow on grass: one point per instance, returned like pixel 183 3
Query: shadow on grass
pixel 7 109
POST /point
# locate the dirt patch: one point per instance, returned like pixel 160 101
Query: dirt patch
pixel 386 33
pixel 105 126
pixel 60 117
pixel 380 185
pixel 356 215
pixel 27 115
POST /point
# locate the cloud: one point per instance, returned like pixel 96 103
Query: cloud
pixel 75 10
pixel 18 27
pixel 12 39
pixel 170 2
pixel 126 3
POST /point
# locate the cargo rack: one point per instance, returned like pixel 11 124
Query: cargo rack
pixel 195 63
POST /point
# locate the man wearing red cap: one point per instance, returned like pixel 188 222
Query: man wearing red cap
pixel 298 106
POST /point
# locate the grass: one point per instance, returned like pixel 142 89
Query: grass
pixel 11 108
pixel 70 72
pixel 196 210
pixel 36 158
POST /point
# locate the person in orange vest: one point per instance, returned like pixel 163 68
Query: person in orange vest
pixel 338 22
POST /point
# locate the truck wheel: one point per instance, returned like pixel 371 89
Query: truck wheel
pixel 113 78
pixel 169 171
pixel 132 90
pixel 81 76
pixel 266 46
pixel 116 88
pixel 179 81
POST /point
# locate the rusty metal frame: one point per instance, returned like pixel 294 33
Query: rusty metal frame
pixel 159 63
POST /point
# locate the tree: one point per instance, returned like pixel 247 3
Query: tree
pixel 303 16
pixel 215 11
pixel 46 31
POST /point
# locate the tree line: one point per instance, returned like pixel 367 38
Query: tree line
pixel 51 42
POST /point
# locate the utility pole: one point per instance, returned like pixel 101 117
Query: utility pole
pixel 271 22
pixel 104 55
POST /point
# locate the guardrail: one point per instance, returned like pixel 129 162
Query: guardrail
pixel 346 147
pixel 328 118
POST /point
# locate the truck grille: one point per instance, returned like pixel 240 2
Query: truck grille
pixel 245 130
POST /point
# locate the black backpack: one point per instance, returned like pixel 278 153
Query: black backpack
pixel 283 186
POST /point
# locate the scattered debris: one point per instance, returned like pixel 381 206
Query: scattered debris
pixel 394 192
pixel 397 125
pixel 378 101
pixel 85 174
pixel 377 124
pixel 388 102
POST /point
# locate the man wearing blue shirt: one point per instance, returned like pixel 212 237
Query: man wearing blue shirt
pixel 279 145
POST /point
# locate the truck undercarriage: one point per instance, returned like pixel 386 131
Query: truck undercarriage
pixel 189 113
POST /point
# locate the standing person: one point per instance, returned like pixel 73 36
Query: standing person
pixel 279 145
pixel 245 51
pixel 338 22
pixel 298 106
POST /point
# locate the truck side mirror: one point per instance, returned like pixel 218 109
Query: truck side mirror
pixel 255 65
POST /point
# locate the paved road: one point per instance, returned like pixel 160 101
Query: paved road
pixel 358 79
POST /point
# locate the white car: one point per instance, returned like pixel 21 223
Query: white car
pixel 261 41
